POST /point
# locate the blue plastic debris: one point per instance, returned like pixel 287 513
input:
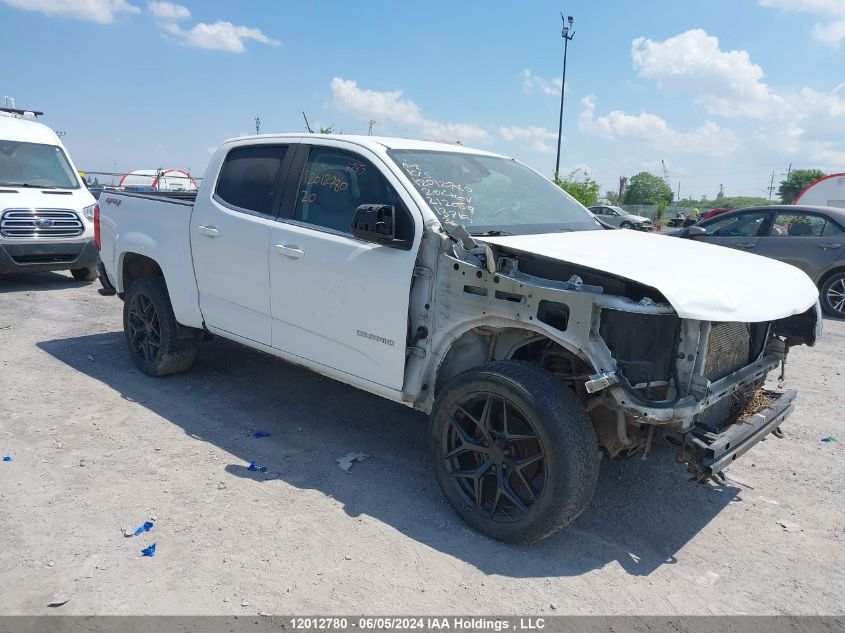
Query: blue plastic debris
pixel 149 551
pixel 260 434
pixel 254 468
pixel 830 439
pixel 144 528
pixel 7 458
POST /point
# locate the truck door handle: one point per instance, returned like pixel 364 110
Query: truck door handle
pixel 210 231
pixel 289 250
pixel 746 244
pixel 829 246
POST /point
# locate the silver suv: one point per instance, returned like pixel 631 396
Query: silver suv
pixel 617 216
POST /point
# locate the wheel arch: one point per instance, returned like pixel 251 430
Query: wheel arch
pixel 480 342
pixel 132 266
pixel 136 263
pixel 838 268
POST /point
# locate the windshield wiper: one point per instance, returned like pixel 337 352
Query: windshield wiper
pixel 27 185
pixel 491 233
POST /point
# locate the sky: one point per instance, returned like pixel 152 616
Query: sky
pixel 725 92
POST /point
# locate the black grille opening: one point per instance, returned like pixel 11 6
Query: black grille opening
pixel 642 344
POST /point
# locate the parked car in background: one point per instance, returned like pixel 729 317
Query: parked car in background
pixel 678 220
pixel 712 213
pixel 811 238
pixel 46 212
pixel 617 216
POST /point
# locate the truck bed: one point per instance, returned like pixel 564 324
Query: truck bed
pixel 157 226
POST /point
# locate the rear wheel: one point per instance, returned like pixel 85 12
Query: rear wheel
pixel 513 451
pixel 833 295
pixel 84 274
pixel 151 331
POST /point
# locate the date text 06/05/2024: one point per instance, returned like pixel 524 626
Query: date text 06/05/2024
pixel 455 623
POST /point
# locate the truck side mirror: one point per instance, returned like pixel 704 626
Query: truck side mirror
pixel 377 223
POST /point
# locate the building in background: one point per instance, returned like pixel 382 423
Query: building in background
pixel 158 180
pixel 827 192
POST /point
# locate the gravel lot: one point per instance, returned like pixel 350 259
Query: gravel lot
pixel 97 446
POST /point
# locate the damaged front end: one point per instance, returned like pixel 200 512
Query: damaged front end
pixel 644 374
pixel 707 398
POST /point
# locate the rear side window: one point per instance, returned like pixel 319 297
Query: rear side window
pixel 250 177
pixel 798 225
pixel 831 228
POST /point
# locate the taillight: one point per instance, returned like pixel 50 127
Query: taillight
pixel 97 226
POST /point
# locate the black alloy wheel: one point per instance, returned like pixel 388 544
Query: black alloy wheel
pixel 495 455
pixel 144 329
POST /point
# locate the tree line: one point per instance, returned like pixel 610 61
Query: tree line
pixel 645 188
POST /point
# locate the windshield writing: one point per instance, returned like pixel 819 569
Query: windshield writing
pixel 490 193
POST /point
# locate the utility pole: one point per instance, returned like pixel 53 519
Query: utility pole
pixel 771 185
pixel 257 125
pixel 565 33
pixel 623 183
pixel 370 131
pixel 789 171
pixel 678 198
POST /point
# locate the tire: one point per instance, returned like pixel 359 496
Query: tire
pixel 833 295
pixel 84 274
pixel 552 423
pixel 151 331
pixel 626 225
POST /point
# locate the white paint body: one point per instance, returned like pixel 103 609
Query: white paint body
pixel 701 281
pixel 310 296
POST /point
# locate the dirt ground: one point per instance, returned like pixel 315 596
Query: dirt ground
pixel 97 446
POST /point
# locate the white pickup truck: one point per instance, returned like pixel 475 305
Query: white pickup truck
pixel 468 286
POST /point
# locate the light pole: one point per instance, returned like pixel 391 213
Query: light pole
pixel 567 33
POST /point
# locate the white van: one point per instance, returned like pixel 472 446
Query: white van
pixel 46 211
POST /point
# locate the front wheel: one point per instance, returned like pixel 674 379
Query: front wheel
pixel 513 451
pixel 84 274
pixel 833 295
pixel 151 331
pixel 626 225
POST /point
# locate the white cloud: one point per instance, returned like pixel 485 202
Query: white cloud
pixel 532 82
pixel 387 105
pixel 168 10
pixel 532 137
pixel 649 129
pixel 693 59
pixel 831 32
pixel 803 122
pixel 101 11
pixel 392 107
pixel 220 36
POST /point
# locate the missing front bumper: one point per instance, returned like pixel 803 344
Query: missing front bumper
pixel 707 454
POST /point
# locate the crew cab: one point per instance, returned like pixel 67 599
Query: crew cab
pixel 46 212
pixel 466 285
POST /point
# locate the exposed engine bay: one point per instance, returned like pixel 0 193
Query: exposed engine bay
pixel 644 374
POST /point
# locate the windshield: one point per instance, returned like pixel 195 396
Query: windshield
pixel 491 195
pixel 35 165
